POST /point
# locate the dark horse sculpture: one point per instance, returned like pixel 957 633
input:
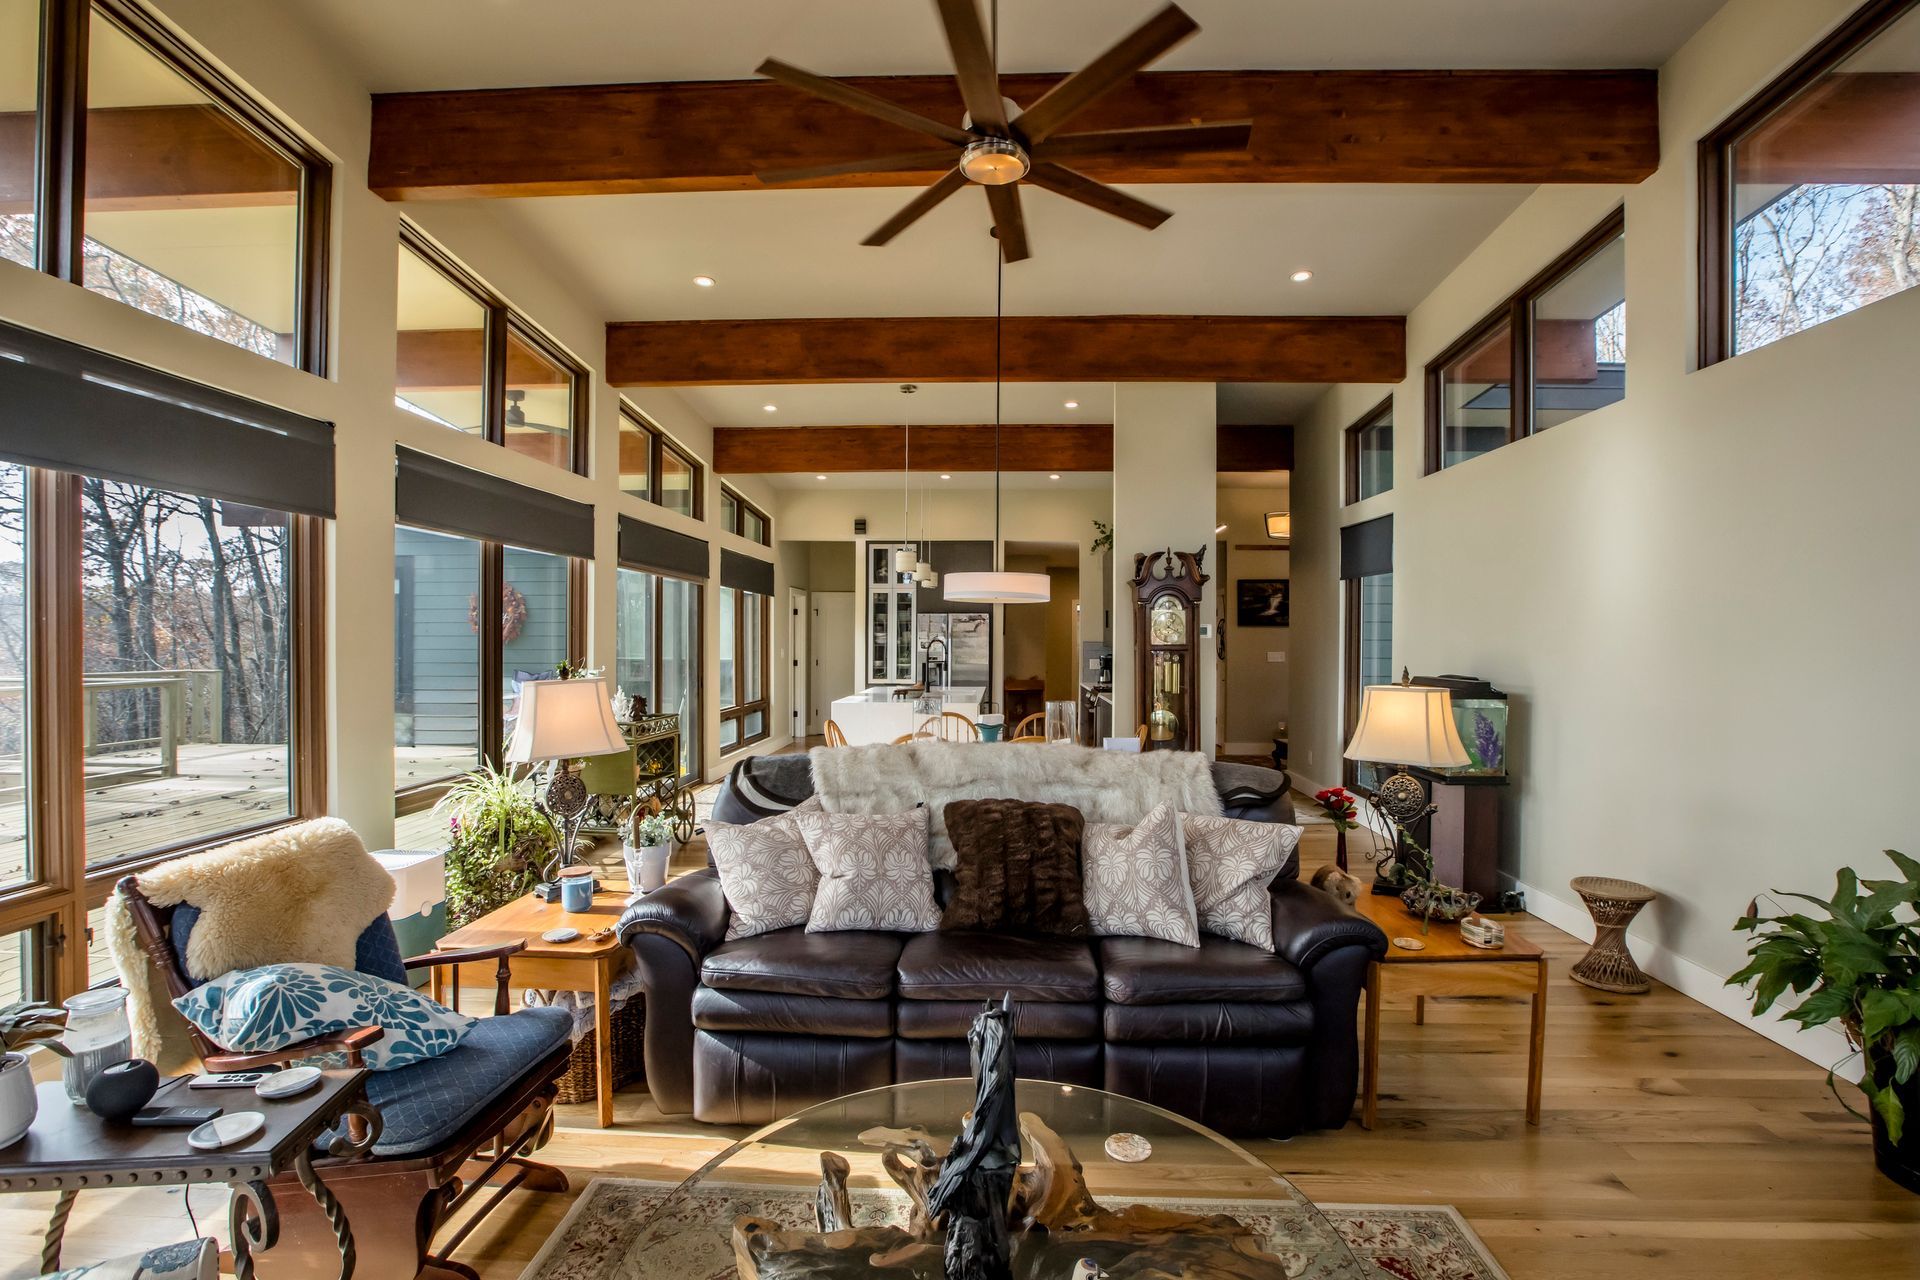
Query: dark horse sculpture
pixel 976 1179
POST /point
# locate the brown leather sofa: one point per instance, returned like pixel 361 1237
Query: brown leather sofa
pixel 748 1031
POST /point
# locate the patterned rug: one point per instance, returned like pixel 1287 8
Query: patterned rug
pixel 613 1232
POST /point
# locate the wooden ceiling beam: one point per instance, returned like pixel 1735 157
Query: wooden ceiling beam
pixel 689 353
pixel 1308 126
pixel 825 450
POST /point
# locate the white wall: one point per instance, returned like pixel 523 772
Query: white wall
pixel 1700 597
pixel 1257 693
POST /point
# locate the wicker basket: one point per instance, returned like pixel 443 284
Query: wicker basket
pixel 628 1024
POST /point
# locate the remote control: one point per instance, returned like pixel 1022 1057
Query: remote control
pixel 175 1117
pixel 230 1080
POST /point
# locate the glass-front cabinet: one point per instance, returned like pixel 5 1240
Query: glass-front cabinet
pixel 890 616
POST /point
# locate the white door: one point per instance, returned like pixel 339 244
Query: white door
pixel 832 653
pixel 799 616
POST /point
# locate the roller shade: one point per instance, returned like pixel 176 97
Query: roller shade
pixel 70 408
pixel 435 494
pixel 743 572
pixel 648 546
pixel 1367 549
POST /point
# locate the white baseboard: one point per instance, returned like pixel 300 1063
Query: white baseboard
pixel 1823 1047
pixel 1247 748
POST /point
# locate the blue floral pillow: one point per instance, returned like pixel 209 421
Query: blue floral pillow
pixel 255 1010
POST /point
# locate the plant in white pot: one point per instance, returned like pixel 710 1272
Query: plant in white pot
pixel 24 1028
pixel 648 849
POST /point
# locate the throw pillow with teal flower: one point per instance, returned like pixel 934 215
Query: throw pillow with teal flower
pixel 271 1007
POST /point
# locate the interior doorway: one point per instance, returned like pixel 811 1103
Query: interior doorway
pixel 799 670
pixel 831 654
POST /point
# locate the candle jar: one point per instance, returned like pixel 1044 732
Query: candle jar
pixel 97 1036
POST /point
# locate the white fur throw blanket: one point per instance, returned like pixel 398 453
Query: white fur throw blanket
pixel 1105 786
pixel 297 894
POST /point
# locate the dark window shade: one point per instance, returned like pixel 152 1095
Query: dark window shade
pixel 656 550
pixel 746 573
pixel 1367 548
pixel 435 494
pixel 70 408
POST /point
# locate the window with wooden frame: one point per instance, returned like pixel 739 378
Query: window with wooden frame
pixel 656 469
pixel 657 649
pixel 1369 453
pixel 162 680
pixel 1366 581
pixel 1809 193
pixel 737 515
pixel 744 717
pixel 467 360
pixel 1554 349
pixel 233 245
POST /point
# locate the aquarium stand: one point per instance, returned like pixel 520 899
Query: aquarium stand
pixel 1463 830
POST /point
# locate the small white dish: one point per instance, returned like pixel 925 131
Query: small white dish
pixel 564 933
pixel 286 1084
pixel 224 1131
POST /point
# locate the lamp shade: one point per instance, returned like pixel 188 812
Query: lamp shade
pixel 1407 724
pixel 1279 524
pixel 563 719
pixel 999 587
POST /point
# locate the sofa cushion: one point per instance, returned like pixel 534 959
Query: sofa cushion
pixel 1032 1020
pixel 718 1010
pixel 844 966
pixel 986 966
pixel 1148 971
pixel 766 872
pixel 1208 1022
pixel 1016 868
pixel 423 1105
pixel 1137 883
pixel 1231 864
pixel 873 871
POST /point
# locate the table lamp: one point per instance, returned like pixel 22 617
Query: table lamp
pixel 561 721
pixel 1405 724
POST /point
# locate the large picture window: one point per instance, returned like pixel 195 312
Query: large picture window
pixel 743 667
pixel 436 657
pixel 653 467
pixel 657 650
pixel 1370 453
pixel 1808 193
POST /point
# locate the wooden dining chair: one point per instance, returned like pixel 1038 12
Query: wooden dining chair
pixel 835 736
pixel 910 737
pixel 1032 729
pixel 949 726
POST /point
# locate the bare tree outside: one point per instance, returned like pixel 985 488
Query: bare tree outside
pixel 1817 251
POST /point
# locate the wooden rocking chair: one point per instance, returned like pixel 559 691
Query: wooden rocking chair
pixel 451 1125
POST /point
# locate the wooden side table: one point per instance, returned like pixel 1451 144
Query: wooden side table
pixel 589 963
pixel 1448 966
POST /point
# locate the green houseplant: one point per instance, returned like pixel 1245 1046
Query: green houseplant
pixel 24 1028
pixel 498 841
pixel 1859 967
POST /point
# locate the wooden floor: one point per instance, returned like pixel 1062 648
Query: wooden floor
pixel 1674 1143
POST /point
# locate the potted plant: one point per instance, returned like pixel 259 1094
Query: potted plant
pixel 649 846
pixel 499 840
pixel 1858 967
pixel 24 1028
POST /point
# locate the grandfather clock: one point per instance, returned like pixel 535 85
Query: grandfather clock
pixel 1166 614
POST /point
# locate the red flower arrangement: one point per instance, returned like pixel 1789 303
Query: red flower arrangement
pixel 1341 808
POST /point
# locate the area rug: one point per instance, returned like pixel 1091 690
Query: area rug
pixel 615 1232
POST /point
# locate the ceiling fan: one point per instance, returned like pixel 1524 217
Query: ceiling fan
pixel 999 146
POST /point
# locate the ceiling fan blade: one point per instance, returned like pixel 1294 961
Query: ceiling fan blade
pixel 1063 181
pixel 1172 137
pixel 1007 222
pixel 973 65
pixel 860 100
pixel 905 161
pixel 1142 46
pixel 917 207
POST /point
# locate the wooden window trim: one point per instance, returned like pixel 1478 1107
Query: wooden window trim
pixel 762 704
pixel 579 417
pixel 698 473
pixel 741 509
pixel 1351 446
pixel 1715 240
pixel 1350 678
pixel 1517 313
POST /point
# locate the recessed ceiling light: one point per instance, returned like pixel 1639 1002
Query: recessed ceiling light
pixel 705 282
pixel 1054 476
pixel 1073 404
pixel 1301 276
pixel 946 477
pixel 1219 528
pixel 819 477
pixel 769 408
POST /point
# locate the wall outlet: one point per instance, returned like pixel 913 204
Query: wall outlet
pixel 1093 664
pixel 1276 655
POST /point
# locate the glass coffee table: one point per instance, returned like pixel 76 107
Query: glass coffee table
pixel 774 1173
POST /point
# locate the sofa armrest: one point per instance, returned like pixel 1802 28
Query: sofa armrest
pixel 1310 924
pixel 690 911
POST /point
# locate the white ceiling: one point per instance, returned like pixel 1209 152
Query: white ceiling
pixel 457 44
pixel 945 403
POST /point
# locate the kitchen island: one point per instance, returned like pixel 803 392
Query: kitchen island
pixel 882 713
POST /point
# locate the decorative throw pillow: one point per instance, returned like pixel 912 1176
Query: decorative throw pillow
pixel 873 869
pixel 275 1005
pixel 765 872
pixel 1232 863
pixel 1017 868
pixel 1136 880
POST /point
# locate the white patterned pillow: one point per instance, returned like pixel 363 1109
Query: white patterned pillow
pixel 275 1005
pixel 765 872
pixel 1136 880
pixel 1232 863
pixel 874 872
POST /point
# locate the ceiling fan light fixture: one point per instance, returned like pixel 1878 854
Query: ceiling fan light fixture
pixel 994 162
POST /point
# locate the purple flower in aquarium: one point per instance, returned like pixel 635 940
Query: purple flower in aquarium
pixel 1486 742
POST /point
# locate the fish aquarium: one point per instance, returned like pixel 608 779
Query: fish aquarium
pixel 1483 731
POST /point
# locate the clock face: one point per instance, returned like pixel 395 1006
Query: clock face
pixel 1167 622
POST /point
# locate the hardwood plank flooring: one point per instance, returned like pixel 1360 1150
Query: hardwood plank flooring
pixel 1673 1143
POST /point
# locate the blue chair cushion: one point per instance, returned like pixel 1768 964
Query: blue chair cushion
pixel 375 952
pixel 425 1104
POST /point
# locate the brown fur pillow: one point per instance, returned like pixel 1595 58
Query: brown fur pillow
pixel 1017 867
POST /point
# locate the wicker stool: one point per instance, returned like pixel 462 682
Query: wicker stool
pixel 1608 965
